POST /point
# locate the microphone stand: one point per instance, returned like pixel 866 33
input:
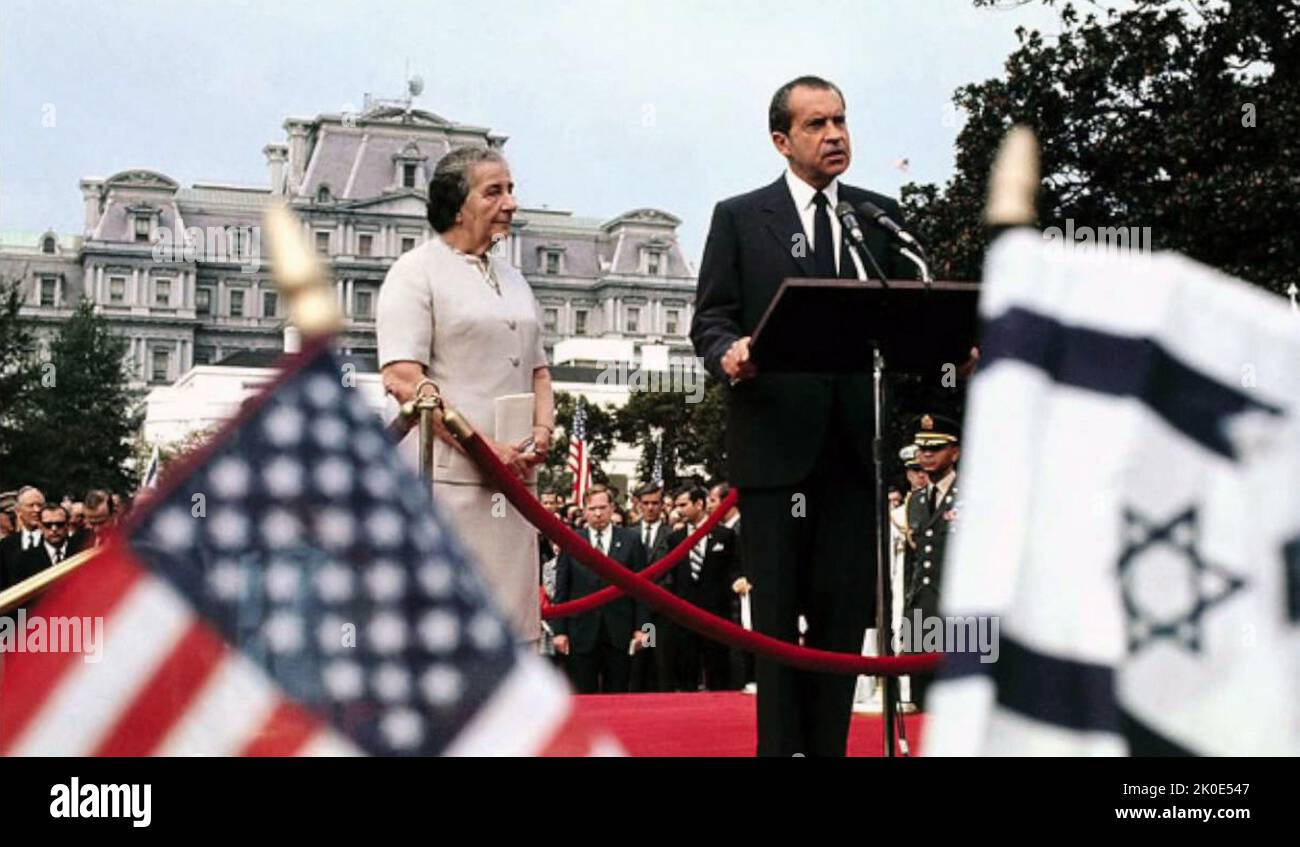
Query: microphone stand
pixel 891 708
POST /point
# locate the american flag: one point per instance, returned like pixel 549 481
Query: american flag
pixel 290 589
pixel 579 459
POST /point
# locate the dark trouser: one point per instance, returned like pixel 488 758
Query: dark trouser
pixel 603 670
pixel 653 668
pixel 926 600
pixel 811 549
pixel 695 653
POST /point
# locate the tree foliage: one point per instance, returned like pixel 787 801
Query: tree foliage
pixel 74 427
pixel 1178 115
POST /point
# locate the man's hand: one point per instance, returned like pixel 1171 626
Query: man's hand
pixel 561 643
pixel 736 361
pixel 640 640
pixel 967 369
pixel 740 586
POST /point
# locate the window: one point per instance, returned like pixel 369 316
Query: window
pixel 364 244
pixel 323 243
pixel 236 304
pixel 580 322
pixel 117 289
pixel 237 241
pixel 408 244
pixel 47 246
pixel 141 228
pixel 652 263
pixel 323 195
pixel 671 320
pixel 550 320
pixel 633 319
pixel 270 304
pixel 362 308
pixel 408 175
pixel 49 290
pixel 203 301
pixel 552 261
pixel 162 292
pixel 161 363
pixel 204 354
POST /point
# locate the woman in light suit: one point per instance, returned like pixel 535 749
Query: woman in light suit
pixel 452 312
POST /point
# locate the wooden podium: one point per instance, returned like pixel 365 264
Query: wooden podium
pixel 843 326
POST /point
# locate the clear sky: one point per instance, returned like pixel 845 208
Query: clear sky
pixel 609 106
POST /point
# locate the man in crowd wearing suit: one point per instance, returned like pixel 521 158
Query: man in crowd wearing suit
pixel 27 537
pixel 741 661
pixel 598 643
pixel 930 515
pixel 100 518
pixel 54 546
pixel 652 668
pixel 704 579
pixel 798 445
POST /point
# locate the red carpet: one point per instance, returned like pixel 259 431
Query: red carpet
pixel 707 724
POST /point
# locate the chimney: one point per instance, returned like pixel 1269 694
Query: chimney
pixel 297 153
pixel 91 193
pixel 276 156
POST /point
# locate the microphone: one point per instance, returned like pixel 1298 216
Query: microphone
pixel 849 220
pixel 882 220
pixel 853 227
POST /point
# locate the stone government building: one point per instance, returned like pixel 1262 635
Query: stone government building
pixel 358 183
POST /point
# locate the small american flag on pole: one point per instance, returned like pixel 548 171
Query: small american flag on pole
pixel 290 589
pixel 579 458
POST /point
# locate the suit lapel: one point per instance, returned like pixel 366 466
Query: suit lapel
pixel 782 220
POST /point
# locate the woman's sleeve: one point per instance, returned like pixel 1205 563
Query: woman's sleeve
pixel 539 349
pixel 404 317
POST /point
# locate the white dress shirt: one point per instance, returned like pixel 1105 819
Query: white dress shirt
pixel 802 193
pixel 31 539
pixel 600 540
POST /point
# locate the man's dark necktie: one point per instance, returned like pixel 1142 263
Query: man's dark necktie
pixel 934 498
pixel 823 241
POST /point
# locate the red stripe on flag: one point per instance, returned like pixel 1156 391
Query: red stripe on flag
pixel 572 738
pixel 161 702
pixel 284 733
pixel 27 679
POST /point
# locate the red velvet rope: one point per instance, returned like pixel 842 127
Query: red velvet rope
pixel 712 626
pixel 670 560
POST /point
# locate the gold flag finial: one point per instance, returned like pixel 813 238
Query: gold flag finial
pixel 1013 182
pixel 310 298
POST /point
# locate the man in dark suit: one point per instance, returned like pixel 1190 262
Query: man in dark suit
pixel 652 667
pixel 598 643
pixel 798 445
pixel 54 546
pixel 26 537
pixel 703 579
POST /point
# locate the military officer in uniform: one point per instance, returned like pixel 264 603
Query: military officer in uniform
pixel 930 515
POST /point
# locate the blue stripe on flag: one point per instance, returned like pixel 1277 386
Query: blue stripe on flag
pixel 1188 400
pixel 1063 692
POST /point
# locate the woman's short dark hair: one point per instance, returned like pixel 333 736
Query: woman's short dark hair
pixel 778 114
pixel 450 184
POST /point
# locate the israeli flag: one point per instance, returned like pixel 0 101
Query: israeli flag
pixel 1131 478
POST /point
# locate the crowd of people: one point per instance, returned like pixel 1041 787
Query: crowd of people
pixel 36 533
pixel 625 646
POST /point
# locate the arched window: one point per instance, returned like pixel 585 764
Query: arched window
pixel 323 195
pixel 48 244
